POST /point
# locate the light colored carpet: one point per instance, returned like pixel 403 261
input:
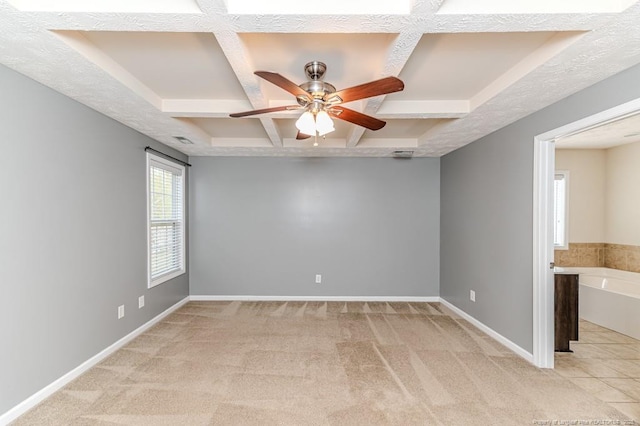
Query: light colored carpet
pixel 316 363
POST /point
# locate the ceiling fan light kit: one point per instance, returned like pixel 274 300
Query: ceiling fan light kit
pixel 320 100
pixel 324 124
pixel 306 124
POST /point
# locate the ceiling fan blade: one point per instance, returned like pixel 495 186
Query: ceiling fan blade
pixel 356 117
pixel 301 136
pixel 264 111
pixel 283 83
pixel 368 90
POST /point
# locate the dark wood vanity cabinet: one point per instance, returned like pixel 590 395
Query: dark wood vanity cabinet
pixel 565 310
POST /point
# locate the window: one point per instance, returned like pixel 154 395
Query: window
pixel 561 210
pixel 165 219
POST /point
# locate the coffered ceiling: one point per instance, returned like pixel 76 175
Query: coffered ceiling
pixel 179 67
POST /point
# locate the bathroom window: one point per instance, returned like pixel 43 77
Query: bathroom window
pixel 165 198
pixel 561 210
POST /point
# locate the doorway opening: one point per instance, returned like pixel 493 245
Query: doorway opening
pixel 543 226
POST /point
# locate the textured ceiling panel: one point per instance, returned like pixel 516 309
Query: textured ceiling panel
pixel 458 66
pixel 173 65
pixel 351 59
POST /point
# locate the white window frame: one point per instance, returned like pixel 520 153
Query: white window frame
pixel 565 237
pixel 163 163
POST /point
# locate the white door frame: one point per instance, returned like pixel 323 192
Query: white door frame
pixel 543 171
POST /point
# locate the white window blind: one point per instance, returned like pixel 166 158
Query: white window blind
pixel 560 210
pixel 166 220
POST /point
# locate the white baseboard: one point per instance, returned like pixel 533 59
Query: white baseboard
pixel 48 390
pixel 317 298
pixel 492 333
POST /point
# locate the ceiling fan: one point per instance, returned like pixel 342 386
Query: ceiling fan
pixel 320 100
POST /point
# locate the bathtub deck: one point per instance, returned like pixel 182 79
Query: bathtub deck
pixel 606 364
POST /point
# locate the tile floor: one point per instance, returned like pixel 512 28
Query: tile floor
pixel 606 364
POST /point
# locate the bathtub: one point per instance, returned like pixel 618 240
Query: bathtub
pixel 610 298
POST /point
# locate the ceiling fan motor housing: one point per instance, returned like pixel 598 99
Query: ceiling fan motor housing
pixel 317 88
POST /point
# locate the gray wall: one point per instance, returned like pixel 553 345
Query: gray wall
pixel 487 211
pixel 266 226
pixel 72 236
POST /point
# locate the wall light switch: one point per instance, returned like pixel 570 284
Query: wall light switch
pixel 140 302
pixel 120 311
pixel 318 278
pixel 472 295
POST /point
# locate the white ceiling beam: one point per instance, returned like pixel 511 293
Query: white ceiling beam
pixel 212 108
pixel 552 47
pixel 221 108
pixel 433 131
pixel 355 134
pixel 114 6
pixel 272 131
pixel 423 23
pixel 322 143
pixel 81 44
pixel 423 109
pixel 240 62
pixel 428 7
pixel 335 7
pixel 528 7
pixel 425 17
pixel 318 151
pixel 395 143
pixel 239 59
pixel 397 56
pixel 241 142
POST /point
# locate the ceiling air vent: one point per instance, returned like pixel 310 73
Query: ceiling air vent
pixel 183 140
pixel 402 154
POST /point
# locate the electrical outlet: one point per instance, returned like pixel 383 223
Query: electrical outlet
pixel 140 302
pixel 318 278
pixel 120 311
pixel 472 295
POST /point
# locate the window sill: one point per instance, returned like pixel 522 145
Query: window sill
pixel 166 277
